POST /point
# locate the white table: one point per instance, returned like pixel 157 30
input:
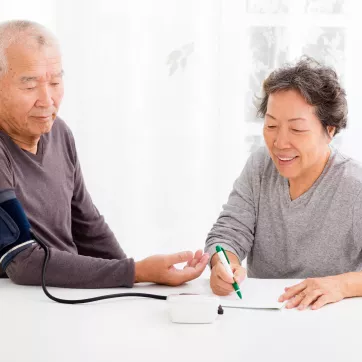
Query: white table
pixel 33 328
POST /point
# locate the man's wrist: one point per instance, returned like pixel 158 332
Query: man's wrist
pixel 139 271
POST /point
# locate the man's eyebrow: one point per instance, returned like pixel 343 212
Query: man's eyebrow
pixel 28 79
pixel 34 79
pixel 60 74
pixel 289 120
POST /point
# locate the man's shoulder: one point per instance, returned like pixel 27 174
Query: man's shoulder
pixel 61 138
pixel 60 127
pixel 4 145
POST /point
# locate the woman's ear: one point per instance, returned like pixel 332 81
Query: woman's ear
pixel 331 131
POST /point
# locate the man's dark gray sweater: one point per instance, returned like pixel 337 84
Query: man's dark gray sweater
pixel 50 186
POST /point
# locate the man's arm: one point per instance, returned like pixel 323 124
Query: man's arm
pixel 66 269
pixel 6 181
pixel 70 270
pixel 91 234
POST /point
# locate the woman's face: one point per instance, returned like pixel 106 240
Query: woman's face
pixel 296 139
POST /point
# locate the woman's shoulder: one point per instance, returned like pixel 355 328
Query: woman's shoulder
pixel 260 160
pixel 260 155
pixel 349 169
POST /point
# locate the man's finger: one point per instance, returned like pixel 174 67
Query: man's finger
pixel 292 291
pixel 196 259
pixel 201 265
pixel 198 254
pixel 180 257
pixel 194 272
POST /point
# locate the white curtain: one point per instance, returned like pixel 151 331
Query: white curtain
pixel 159 97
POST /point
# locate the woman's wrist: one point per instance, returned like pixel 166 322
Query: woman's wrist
pixel 352 284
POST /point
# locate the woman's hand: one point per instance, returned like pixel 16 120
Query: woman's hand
pixel 315 292
pixel 221 282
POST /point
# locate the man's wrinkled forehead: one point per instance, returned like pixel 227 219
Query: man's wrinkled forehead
pixel 27 54
pixel 25 65
pixel 24 79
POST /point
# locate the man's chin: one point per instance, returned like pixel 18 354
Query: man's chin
pixel 42 128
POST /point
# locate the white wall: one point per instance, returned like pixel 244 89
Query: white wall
pixel 158 94
pixel 147 133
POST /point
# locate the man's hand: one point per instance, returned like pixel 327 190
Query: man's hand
pixel 315 292
pixel 160 268
pixel 221 282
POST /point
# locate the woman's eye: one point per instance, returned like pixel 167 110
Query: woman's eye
pixel 298 130
pixel 272 127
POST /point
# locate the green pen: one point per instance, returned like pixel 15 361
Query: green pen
pixel 225 261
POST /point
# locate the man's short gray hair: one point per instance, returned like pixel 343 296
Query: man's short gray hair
pixel 14 31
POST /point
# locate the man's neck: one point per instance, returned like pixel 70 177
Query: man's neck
pixel 26 143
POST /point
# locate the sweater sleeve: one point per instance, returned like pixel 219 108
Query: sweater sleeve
pixel 70 270
pixel 103 263
pixel 356 222
pixel 234 229
pixel 6 180
pixel 91 234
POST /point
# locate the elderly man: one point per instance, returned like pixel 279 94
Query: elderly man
pixel 38 161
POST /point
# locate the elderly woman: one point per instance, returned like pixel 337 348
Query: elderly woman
pixel 296 208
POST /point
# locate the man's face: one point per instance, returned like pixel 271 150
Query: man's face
pixel 295 137
pixel 31 90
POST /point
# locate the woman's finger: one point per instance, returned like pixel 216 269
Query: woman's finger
pixel 293 291
pixel 295 301
pixel 222 273
pixel 321 301
pixel 239 274
pixel 310 298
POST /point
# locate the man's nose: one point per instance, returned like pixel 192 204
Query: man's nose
pixel 45 98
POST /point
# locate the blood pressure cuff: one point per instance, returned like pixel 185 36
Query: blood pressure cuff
pixel 15 234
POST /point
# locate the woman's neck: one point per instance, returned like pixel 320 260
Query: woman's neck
pixel 299 185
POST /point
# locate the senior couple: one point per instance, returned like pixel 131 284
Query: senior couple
pixel 294 210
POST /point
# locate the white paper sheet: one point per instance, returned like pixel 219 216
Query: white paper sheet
pixel 257 294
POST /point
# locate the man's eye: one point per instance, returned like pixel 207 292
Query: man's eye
pixel 30 88
pixel 54 84
pixel 272 127
pixel 298 130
